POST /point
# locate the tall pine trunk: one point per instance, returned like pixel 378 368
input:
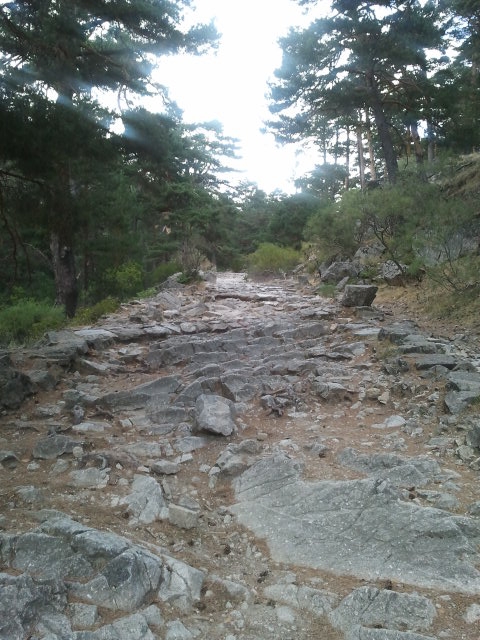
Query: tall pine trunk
pixel 361 157
pixel 371 151
pixel 63 261
pixel 62 243
pixel 383 129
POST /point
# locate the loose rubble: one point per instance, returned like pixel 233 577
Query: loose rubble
pixel 242 460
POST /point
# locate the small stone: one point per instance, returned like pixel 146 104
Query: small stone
pixel 165 467
pixel 466 453
pixel 153 616
pixel 60 466
pixel 384 398
pixel 285 615
pixel 83 616
pixel 472 614
pixel 183 517
pixel 177 631
pixel 90 478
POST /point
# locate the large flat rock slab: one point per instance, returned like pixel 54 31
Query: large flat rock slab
pixel 356 527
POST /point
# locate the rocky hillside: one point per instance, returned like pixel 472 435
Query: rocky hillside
pixel 241 461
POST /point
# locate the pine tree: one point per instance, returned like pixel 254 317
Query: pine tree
pixel 58 57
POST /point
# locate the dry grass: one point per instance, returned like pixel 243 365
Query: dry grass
pixel 433 307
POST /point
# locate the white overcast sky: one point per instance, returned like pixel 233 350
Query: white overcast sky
pixel 230 85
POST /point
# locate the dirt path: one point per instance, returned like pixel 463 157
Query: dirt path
pixel 326 493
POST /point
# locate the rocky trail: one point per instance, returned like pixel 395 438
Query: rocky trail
pixel 241 461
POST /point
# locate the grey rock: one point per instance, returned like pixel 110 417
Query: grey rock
pixel 183 517
pixel 146 502
pixel 342 284
pixel 362 633
pixel 83 616
pixel 233 591
pixel 474 509
pixel 472 614
pixel 134 627
pixel 90 478
pixel 436 360
pixel 61 347
pixel 397 332
pixel 97 338
pixel 306 331
pixel 457 402
pixel 339 270
pixel 54 446
pixel 181 584
pixel 231 463
pixel 367 254
pixel 91 427
pixel 418 344
pixel 165 467
pixel 43 379
pixel 473 436
pixel 15 386
pixel 316 601
pixel 416 471
pixel 463 381
pixel 158 391
pixel 8 459
pixel 214 414
pixel 465 453
pixel 238 388
pixel 103 569
pixel 392 273
pixel 167 300
pixel 46 555
pixel 332 391
pixel 359 295
pixel 31 495
pixel 356 527
pixel 176 630
pixel 249 446
pixel 440 500
pixel 371 607
pixel 54 625
pixel 190 443
pixel 127 581
pixel 78 414
pixel 153 616
pixel 24 600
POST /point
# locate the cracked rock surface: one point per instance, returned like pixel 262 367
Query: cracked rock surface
pixel 241 460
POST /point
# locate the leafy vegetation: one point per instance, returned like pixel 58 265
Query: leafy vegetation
pixel 270 259
pixel 92 213
pixel 27 320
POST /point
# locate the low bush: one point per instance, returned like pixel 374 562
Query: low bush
pixel 270 259
pixel 326 290
pixel 26 320
pixel 164 271
pixel 88 315
pixel 125 281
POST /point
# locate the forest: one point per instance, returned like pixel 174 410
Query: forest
pixel 102 199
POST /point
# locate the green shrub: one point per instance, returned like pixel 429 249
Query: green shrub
pixel 335 230
pixel 147 293
pixel 163 271
pixel 272 259
pixel 27 320
pixel 458 276
pixel 327 290
pixel 125 281
pixel 88 315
